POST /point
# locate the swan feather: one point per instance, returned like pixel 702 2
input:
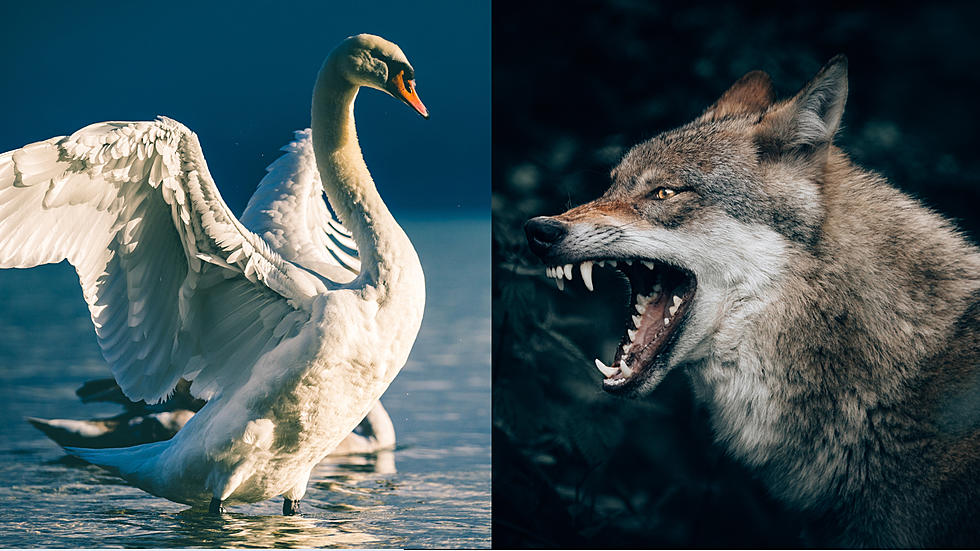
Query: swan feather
pixel 289 212
pixel 132 206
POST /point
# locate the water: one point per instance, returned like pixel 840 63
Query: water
pixel 432 491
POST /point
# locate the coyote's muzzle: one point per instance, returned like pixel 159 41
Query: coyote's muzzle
pixel 660 294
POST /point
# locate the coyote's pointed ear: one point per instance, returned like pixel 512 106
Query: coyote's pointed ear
pixel 751 94
pixel 810 119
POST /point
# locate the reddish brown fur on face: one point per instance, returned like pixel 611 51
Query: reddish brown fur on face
pixel 616 209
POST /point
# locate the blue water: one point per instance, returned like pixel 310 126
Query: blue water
pixel 432 491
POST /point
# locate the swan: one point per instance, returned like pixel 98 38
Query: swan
pixel 286 323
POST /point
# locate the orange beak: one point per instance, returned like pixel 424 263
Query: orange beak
pixel 405 90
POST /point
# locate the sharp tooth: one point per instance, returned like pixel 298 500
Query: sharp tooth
pixel 612 263
pixel 640 308
pixel 606 370
pixel 657 288
pixel 627 371
pixel 561 283
pixel 601 263
pixel 628 262
pixel 636 321
pixel 626 348
pixel 648 264
pixel 558 272
pixel 631 333
pixel 568 272
pixel 549 271
pixel 677 300
pixel 586 269
pixel 672 310
pixel 666 322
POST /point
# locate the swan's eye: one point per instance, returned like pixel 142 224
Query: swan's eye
pixel 662 193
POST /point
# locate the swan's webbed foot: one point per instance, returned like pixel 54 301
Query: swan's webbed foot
pixel 290 506
pixel 215 508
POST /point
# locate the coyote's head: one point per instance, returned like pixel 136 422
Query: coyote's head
pixel 702 221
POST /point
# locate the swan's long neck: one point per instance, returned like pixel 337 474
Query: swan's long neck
pixel 383 247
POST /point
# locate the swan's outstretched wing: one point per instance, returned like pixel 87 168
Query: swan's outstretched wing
pixel 288 210
pixel 177 287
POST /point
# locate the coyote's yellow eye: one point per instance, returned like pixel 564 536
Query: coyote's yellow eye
pixel 664 193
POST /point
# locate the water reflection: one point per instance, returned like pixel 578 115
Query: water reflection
pixel 196 528
pixel 381 462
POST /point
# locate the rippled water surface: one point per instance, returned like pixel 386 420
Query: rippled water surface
pixel 432 491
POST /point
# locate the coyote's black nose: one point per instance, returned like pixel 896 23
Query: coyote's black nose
pixel 543 232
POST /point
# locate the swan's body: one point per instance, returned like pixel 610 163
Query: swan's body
pixel 142 423
pixel 287 336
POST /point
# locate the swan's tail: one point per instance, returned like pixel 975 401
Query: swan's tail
pixel 135 463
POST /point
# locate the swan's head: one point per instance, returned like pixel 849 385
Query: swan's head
pixel 369 60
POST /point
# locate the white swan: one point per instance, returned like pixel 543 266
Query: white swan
pixel 287 334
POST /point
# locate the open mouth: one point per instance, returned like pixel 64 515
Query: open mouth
pixel 660 295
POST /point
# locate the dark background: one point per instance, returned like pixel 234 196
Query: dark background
pixel 575 84
pixel 241 74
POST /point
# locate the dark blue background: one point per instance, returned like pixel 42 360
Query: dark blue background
pixel 241 75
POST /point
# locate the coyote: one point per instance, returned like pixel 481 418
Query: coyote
pixel 829 323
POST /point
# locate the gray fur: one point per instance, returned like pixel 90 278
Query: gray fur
pixel 834 333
